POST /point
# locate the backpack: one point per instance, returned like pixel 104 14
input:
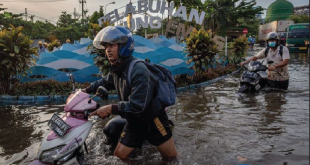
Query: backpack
pixel 165 85
pixel 268 48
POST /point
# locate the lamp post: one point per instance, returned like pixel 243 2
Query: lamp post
pixel 105 9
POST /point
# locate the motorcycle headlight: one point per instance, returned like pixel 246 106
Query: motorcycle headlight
pixel 252 68
pixel 50 155
pixel 70 151
pixel 65 158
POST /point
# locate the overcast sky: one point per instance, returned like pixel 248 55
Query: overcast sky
pixel 51 9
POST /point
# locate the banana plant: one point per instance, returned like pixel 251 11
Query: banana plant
pixel 201 50
pixel 16 55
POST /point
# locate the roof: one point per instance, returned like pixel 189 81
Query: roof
pixel 279 10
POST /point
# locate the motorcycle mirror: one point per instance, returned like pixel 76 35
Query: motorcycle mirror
pixel 72 80
pixel 102 91
pixel 269 62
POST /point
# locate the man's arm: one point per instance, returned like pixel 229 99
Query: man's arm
pixel 286 59
pixel 106 81
pixel 259 55
pixel 282 64
pixel 254 58
pixel 141 93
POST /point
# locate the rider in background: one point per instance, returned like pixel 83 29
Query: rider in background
pixel 253 42
pixel 250 40
pixel 278 75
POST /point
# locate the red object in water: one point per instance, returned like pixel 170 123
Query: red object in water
pixel 245 31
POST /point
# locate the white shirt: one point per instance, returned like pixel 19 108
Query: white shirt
pixel 281 73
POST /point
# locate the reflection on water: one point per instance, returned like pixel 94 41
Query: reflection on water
pixel 214 125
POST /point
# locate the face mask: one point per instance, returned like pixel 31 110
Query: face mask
pixel 272 44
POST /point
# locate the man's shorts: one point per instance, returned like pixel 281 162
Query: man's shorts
pixel 156 131
pixel 278 84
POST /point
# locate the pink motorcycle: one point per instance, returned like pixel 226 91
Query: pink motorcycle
pixel 64 143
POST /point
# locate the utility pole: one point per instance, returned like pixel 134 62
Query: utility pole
pixel 74 14
pixel 82 1
pixel 26 14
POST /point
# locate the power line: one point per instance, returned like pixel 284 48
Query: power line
pixel 43 18
pixel 58 16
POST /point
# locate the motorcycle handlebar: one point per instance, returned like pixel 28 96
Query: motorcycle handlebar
pixel 87 112
pixel 244 65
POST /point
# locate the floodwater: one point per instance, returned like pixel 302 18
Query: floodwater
pixel 213 125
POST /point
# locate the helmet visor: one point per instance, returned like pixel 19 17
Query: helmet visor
pixel 110 35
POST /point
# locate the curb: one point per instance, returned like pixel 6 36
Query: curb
pixel 194 86
pixel 29 100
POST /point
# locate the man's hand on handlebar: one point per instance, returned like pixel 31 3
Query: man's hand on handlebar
pixel 102 112
pixel 271 68
pixel 242 63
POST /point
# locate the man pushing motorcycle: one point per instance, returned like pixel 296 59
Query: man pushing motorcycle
pixel 278 75
pixel 137 102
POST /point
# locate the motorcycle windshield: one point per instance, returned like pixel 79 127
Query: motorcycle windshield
pixel 253 65
pixel 75 99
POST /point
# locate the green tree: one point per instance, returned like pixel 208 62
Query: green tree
pixel 66 20
pixel 94 18
pixel 225 14
pixel 250 24
pixel 67 28
pixel 101 12
pixel 299 18
pixel 72 33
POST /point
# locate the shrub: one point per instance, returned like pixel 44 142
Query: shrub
pixel 47 87
pixel 16 56
pixel 183 80
pixel 240 48
pixel 51 46
pixel 209 74
pixel 202 50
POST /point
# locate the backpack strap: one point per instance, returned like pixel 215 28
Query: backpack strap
pixel 132 64
pixel 281 50
pixel 266 51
